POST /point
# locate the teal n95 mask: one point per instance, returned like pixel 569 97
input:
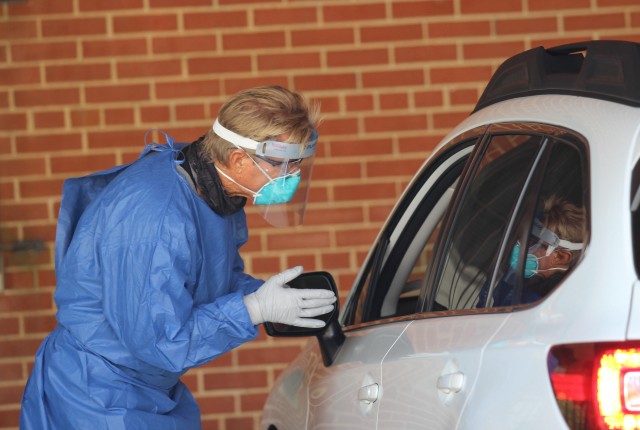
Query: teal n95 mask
pixel 282 200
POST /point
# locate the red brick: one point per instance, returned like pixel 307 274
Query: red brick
pixel 48 119
pixel 10 371
pixel 49 142
pixel 119 116
pixel 336 260
pixel 264 264
pixel 117 93
pixel 418 144
pixel 18 30
pixel 144 23
pixel 288 241
pixel 325 81
pixel 181 89
pixel 474 6
pixel 74 27
pixel 425 53
pixel 61 97
pixel 40 323
pixel 527 26
pixel 337 170
pixel 46 278
pixel 232 86
pixel 460 74
pixel 181 44
pixel 43 51
pixel 359 102
pixel 555 41
pixel 78 72
pixel 141 69
pixel 252 402
pixel 358 57
pixel 394 78
pixel 106 5
pixel 178 3
pixel 8 326
pixel 6 191
pixel 492 50
pixel 594 21
pixel 235 379
pixel 19 76
pixel 114 48
pixel 355 148
pixel 552 5
pixel 322 37
pixel 449 119
pixel 22 167
pixel 3 54
pixel 216 404
pixel 194 21
pixel 333 216
pixel 369 191
pixel 426 8
pixel 282 355
pixel 40 8
pixel 219 64
pixel 285 16
pixel 395 123
pixel 289 61
pixel 21 212
pixel 24 302
pixel 4 99
pixel 10 418
pixel 13 121
pixel 117 139
pixel 85 117
pixel 338 126
pixel 459 29
pixel 389 33
pixel 394 101
pixel 190 112
pixel 11 394
pixel 463 96
pixel 359 12
pixel 393 168
pixel 428 98
pixel 254 40
pixel 356 237
pixel 155 114
pixel 46 232
pixel 239 422
pixel 308 262
pixel 82 163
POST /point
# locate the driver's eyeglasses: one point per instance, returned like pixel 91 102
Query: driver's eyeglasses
pixel 290 163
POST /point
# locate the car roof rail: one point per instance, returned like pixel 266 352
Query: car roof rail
pixel 602 69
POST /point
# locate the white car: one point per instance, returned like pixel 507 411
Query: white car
pixel 448 324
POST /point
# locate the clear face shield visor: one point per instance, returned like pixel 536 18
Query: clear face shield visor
pixel 543 237
pixel 282 200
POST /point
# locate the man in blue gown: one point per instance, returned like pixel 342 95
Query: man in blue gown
pixel 150 282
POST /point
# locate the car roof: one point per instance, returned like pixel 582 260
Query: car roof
pixel 602 69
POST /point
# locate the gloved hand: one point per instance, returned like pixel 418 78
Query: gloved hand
pixel 276 302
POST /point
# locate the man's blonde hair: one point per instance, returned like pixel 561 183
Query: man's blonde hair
pixel 262 113
pixel 566 220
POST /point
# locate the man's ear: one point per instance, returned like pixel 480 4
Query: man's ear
pixel 237 161
pixel 562 256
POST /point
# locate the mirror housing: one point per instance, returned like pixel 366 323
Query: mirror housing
pixel 330 337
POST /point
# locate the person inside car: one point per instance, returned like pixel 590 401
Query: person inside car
pixel 555 245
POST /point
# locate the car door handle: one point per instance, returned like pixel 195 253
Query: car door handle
pixel 451 382
pixel 368 394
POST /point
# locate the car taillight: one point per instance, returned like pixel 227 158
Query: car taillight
pixel 597 386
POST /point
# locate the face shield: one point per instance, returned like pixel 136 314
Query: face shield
pixel 287 166
pixel 542 236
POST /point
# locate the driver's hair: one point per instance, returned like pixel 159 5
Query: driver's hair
pixel 565 219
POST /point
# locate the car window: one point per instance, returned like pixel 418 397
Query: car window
pixel 527 189
pixel 392 274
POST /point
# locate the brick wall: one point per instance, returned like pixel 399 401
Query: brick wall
pixel 82 80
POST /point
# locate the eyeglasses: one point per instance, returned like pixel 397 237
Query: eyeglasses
pixel 290 162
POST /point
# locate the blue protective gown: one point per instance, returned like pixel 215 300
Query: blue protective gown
pixel 149 284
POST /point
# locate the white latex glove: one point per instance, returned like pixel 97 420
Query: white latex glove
pixel 275 302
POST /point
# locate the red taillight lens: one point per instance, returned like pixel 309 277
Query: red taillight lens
pixel 618 374
pixel 597 386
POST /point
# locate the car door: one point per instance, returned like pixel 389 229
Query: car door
pixel 347 394
pixel 429 372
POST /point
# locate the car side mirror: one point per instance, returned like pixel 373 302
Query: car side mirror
pixel 330 337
